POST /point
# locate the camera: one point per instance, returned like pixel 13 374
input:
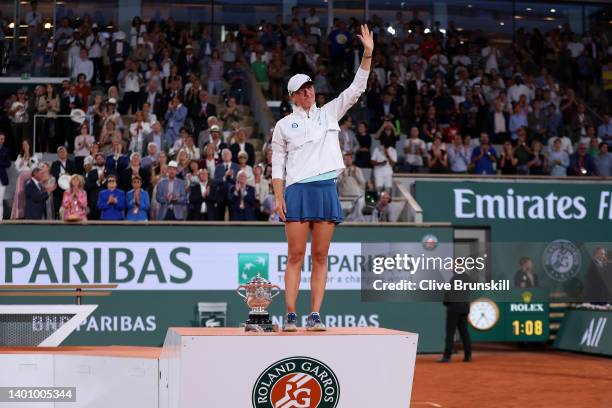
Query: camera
pixel 370 200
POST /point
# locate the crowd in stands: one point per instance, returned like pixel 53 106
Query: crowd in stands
pixel 151 124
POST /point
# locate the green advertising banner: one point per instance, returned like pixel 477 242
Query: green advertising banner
pixel 586 331
pixel 186 275
pixel 553 229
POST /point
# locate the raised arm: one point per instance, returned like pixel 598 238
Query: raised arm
pixel 349 96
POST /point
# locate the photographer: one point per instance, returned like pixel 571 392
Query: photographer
pixel 371 207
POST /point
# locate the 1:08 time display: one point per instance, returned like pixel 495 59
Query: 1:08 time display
pixel 527 328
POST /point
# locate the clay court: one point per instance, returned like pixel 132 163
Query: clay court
pixel 511 379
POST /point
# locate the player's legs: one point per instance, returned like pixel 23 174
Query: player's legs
pixel 297 235
pixel 322 232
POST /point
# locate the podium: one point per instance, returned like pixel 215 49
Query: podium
pixel 341 367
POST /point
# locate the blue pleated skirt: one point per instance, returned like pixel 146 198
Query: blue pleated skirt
pixel 313 201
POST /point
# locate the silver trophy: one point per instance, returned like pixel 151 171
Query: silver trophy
pixel 258 295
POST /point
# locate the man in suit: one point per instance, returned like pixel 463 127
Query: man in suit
pixel 201 111
pixel 111 201
pixel 457 310
pixel 172 196
pixel 225 177
pixel 597 287
pixel 524 277
pixel 153 96
pixel 116 162
pixel 388 109
pixel 242 199
pixel 135 168
pixel 188 63
pixel 95 181
pixel 498 123
pixel 36 196
pixel 63 165
pixel 175 118
pixel 5 163
pixel 158 137
pixel 242 145
pixel 227 170
pixel 203 198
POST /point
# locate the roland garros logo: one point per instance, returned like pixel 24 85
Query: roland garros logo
pixel 296 382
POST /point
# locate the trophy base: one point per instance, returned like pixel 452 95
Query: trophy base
pixel 261 328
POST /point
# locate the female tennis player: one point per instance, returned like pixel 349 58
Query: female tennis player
pixel 306 159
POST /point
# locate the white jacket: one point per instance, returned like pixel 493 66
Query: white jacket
pixel 305 144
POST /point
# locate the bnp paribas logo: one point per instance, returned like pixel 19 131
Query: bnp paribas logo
pixel 249 265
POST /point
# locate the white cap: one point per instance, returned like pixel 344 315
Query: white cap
pixel 296 82
pixel 113 101
pixel 140 41
pixel 88 160
pixel 173 163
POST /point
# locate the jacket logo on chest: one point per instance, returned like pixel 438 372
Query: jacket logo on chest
pixel 294 125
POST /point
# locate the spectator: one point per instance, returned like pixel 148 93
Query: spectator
pixel 226 170
pixel 49 105
pixel 517 121
pixel 202 198
pixel 458 156
pixel 346 136
pixel 484 156
pixel 108 134
pixel 242 199
pixel 5 163
pixel 414 151
pixel 138 130
pixel 364 143
pixel 151 157
pixel 25 162
pixel 208 161
pixel 171 196
pixel 507 160
pixel 603 161
pixel 62 166
pixel 158 138
pixel 83 65
pixel 537 160
pixel 437 158
pixel 74 201
pixel 383 159
pixel 351 181
pixel 525 277
pixel 262 189
pixel 138 202
pixel 604 131
pixel 36 196
pixel 232 115
pixel 127 175
pixel 82 146
pixel 260 70
pixel 215 74
pixel 175 118
pixel 116 162
pixel 95 181
pixel 111 201
pixel 559 160
pixel 382 211
pixel 201 110
pixel 243 158
pixel 19 117
pixel 241 145
pixel 237 78
pixel 522 152
pixel 582 164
